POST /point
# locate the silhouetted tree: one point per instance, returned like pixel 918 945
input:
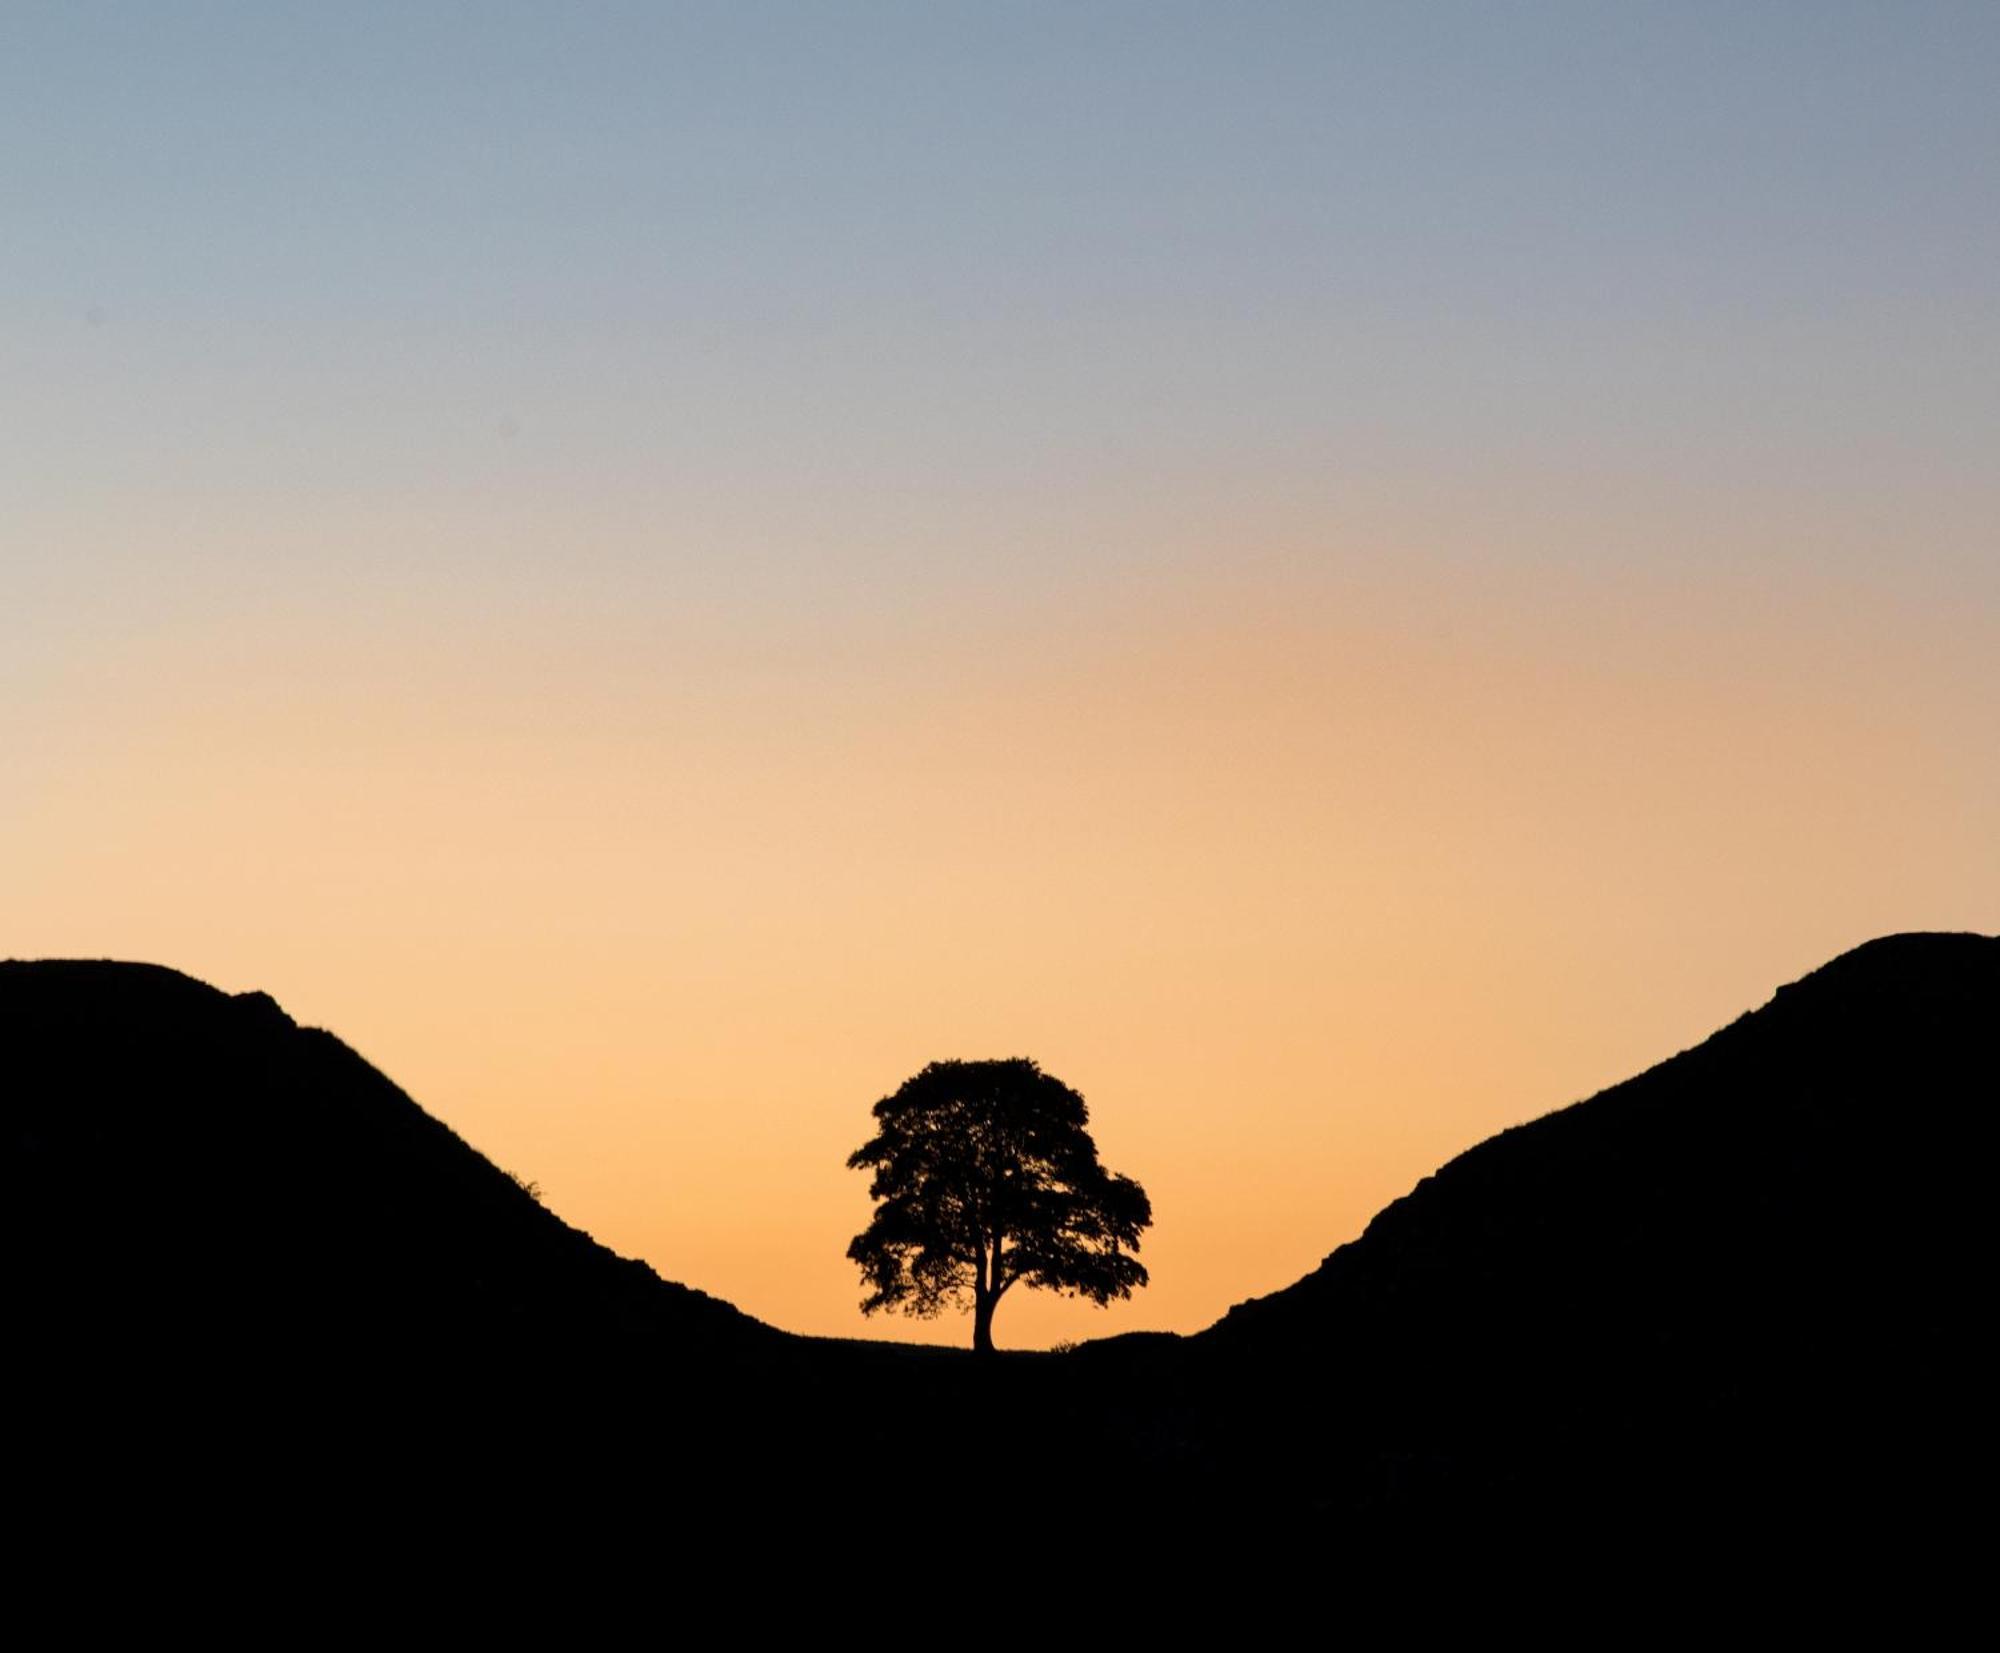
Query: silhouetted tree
pixel 986 1178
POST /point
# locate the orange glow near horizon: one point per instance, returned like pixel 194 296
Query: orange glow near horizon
pixel 1306 887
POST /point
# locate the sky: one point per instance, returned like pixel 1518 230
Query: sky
pixel 1342 576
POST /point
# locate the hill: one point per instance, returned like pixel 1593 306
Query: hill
pixel 245 1260
pixel 240 1255
pixel 214 1171
pixel 1741 1289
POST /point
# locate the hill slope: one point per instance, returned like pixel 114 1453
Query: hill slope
pixel 1741 1289
pixel 240 1255
pixel 1749 1279
pixel 200 1158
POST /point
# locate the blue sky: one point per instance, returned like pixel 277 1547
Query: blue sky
pixel 535 248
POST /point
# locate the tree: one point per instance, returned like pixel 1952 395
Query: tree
pixel 986 1178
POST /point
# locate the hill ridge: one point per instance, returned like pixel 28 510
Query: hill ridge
pixel 1875 967
pixel 1737 1289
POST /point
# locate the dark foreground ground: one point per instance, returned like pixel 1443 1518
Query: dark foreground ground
pixel 1739 1299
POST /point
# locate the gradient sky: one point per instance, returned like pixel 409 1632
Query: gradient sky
pixel 1341 575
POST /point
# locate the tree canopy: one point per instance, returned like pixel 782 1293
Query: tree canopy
pixel 986 1177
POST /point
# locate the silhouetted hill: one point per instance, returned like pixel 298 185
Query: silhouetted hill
pixel 244 1261
pixel 1741 1291
pixel 1744 1286
pixel 240 1254
pixel 211 1168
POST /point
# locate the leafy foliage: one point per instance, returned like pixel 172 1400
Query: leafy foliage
pixel 985 1177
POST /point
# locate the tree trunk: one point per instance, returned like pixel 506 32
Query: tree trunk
pixel 982 1322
